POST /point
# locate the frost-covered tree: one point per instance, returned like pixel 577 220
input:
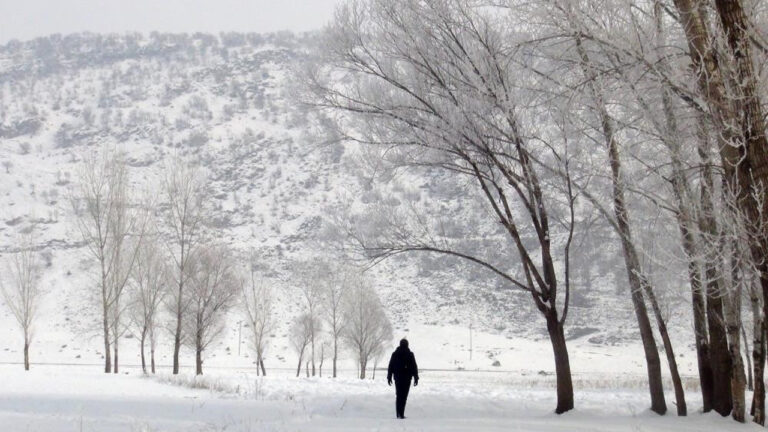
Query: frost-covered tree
pixel 21 290
pixel 149 283
pixel 300 336
pixel 185 194
pixel 368 327
pixel 310 287
pixel 336 281
pixel 258 304
pixel 112 226
pixel 211 292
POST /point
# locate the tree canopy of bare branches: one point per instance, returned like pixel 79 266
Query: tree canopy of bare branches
pixel 368 327
pixel 212 291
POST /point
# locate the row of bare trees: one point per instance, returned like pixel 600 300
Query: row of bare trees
pixel 155 265
pixel 552 110
pixel 340 309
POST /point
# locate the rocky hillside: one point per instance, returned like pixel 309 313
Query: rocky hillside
pixel 276 175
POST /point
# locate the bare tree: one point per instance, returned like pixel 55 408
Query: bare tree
pixel 21 291
pixel 257 298
pixel 212 291
pixel 368 327
pixel 185 193
pixel 149 279
pixel 112 227
pixel 335 281
pixel 432 85
pixel 310 286
pixel 300 336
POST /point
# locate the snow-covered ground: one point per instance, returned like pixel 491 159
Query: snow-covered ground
pixel 80 398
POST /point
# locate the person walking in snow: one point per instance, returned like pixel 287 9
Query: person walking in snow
pixel 402 365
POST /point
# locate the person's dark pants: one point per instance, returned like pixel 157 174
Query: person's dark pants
pixel 402 386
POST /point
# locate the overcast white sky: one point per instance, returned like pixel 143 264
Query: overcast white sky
pixel 26 19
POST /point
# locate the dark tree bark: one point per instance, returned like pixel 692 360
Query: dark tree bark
pixel 335 355
pixel 720 359
pixel 26 356
pixel 758 358
pixel 562 364
pixel 177 334
pixel 198 354
pixel 719 355
pixel 116 358
pixel 143 359
pixel 152 358
pixel 198 362
pixel 263 370
pixel 298 368
pixel 107 347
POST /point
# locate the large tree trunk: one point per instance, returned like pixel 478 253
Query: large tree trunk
pixel 363 366
pixel 198 355
pixel 177 338
pixel 263 370
pixel 562 364
pixel 152 358
pixel 719 355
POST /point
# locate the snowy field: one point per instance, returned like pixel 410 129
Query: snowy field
pixel 79 398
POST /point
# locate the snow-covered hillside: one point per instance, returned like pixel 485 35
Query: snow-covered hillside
pixel 275 174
